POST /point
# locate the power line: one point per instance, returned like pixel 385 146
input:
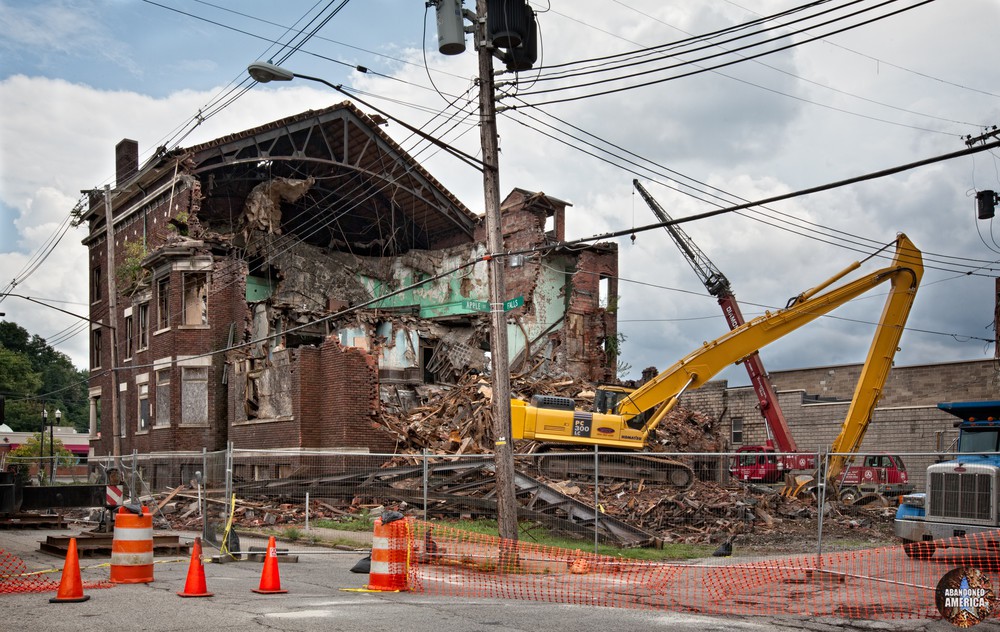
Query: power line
pixel 638 165
pixel 743 59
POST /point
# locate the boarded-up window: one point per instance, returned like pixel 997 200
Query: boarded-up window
pixel 194 396
pixel 195 298
pixel 162 398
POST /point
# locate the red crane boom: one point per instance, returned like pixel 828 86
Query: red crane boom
pixel 718 286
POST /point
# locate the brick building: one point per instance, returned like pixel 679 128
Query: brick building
pixel 277 286
pixel 815 402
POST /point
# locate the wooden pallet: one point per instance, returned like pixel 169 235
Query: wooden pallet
pixel 99 545
pixel 33 521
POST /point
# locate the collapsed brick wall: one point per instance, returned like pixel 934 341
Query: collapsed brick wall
pixel 272 423
pixel 338 399
pixel 333 400
pixel 587 342
pixel 592 332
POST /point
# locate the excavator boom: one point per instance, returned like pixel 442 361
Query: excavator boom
pixel 553 419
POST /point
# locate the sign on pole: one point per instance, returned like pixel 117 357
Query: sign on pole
pixel 513 303
pixel 476 306
pixel 484 306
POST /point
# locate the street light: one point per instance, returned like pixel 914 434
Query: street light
pixel 41 445
pixel 264 72
pixel 52 443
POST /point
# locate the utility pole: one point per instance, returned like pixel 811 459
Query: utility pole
pixel 109 229
pixel 500 369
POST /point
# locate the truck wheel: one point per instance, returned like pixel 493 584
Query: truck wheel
pixel 918 550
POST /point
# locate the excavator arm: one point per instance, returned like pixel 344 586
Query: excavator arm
pixel 553 419
pixel 878 363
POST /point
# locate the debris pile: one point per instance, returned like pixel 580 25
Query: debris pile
pixel 457 419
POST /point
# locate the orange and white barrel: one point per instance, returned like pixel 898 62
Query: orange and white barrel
pixel 132 548
pixel 390 556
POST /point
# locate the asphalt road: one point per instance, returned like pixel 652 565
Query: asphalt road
pixel 319 597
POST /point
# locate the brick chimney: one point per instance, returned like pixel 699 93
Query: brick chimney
pixel 126 160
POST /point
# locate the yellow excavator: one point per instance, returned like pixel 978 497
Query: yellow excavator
pixel 634 416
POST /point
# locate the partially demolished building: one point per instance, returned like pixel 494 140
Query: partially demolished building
pixel 278 287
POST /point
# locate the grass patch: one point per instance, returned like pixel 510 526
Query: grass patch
pixel 360 522
pixel 534 533
pixel 529 532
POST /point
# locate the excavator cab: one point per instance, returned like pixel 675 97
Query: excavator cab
pixel 607 398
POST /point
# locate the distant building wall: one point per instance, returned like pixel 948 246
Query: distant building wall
pixel 906 420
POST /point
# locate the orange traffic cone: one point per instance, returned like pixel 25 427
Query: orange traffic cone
pixel 70 587
pixel 270 581
pixel 195 584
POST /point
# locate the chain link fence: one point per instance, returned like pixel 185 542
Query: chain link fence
pixel 751 502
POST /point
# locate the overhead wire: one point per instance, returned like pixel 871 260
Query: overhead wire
pixel 650 82
pixel 648 55
pixel 798 77
pixel 47 248
pixel 643 167
pixel 880 61
pixel 646 51
pixel 39 256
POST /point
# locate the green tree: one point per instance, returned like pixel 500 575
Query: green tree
pixel 32 370
pixel 28 453
pixel 18 380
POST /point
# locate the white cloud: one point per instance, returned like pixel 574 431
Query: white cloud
pixel 754 135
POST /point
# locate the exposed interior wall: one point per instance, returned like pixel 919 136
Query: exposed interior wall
pixel 217 251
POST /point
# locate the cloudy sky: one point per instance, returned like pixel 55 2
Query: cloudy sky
pixel 702 123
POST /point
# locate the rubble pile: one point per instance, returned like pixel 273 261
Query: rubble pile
pixel 457 419
pixel 181 512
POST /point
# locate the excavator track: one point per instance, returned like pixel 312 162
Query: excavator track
pixel 652 469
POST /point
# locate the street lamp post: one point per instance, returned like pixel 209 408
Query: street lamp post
pixel 52 443
pixel 41 445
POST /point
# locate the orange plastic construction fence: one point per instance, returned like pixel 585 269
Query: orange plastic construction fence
pixel 943 580
pixel 16 578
